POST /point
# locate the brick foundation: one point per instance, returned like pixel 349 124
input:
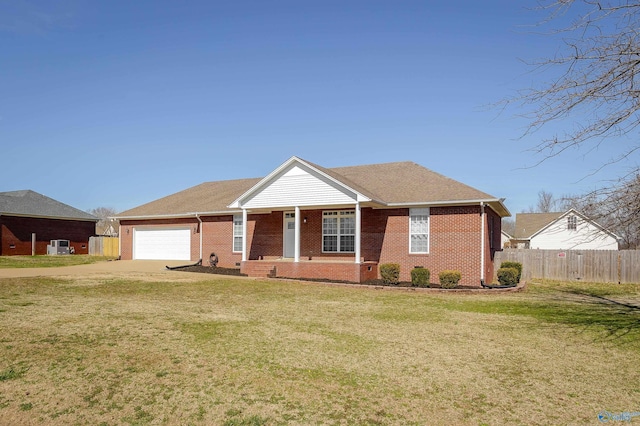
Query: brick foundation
pixel 332 271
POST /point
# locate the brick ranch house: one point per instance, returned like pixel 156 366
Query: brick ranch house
pixel 307 221
pixel 26 216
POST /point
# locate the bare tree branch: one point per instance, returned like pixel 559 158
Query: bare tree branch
pixel 595 87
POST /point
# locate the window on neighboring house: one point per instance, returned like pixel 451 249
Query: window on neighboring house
pixel 237 233
pixel 572 223
pixel 419 230
pixel 339 231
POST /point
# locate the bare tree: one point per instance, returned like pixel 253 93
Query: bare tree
pixel 105 225
pixel 509 225
pixel 597 85
pixel 621 207
pixel 616 208
pixel 596 88
pixel 546 203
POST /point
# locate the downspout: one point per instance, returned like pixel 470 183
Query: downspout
pixel 244 234
pixel 200 229
pixel 358 232
pixel 482 243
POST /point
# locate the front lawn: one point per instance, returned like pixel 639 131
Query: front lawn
pixel 217 350
pixel 49 261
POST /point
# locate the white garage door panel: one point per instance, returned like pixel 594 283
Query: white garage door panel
pixel 162 244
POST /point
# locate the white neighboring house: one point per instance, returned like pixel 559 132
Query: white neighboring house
pixel 505 239
pixel 570 230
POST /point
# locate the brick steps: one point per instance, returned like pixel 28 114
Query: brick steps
pixel 261 270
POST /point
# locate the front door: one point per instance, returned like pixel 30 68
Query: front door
pixel 289 234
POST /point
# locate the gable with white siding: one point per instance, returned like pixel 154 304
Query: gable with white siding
pixel 298 185
pixel 584 234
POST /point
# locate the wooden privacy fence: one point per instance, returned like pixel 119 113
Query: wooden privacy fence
pixel 103 246
pixel 608 266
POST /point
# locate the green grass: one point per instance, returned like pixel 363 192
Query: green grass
pixel 610 311
pixel 215 350
pixel 48 261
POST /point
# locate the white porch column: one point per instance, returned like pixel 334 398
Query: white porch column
pixel 244 235
pixel 358 232
pixel 296 250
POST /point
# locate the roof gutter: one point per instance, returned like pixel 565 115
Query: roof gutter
pixel 48 217
pixel 177 215
pixel 491 202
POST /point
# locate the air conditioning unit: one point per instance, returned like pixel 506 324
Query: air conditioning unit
pixel 59 247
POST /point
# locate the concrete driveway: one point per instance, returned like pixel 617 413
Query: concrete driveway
pixel 116 267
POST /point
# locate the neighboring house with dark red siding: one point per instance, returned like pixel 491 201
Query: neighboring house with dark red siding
pixel 307 221
pixel 25 215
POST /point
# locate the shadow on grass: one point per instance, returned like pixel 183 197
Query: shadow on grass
pixel 610 319
pixel 618 318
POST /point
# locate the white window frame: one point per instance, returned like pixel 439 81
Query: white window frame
pixel 339 215
pixel 419 212
pixel 237 233
pixel 572 223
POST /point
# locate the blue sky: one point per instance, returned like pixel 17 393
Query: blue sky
pixel 117 103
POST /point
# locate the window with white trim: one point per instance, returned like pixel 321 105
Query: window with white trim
pixel 419 230
pixel 572 223
pixel 237 232
pixel 339 231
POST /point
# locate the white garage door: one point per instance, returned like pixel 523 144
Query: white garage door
pixel 162 244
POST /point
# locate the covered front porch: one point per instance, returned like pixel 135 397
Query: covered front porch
pixel 306 243
pixel 300 222
pixel 332 270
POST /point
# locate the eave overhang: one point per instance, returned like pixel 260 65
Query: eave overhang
pixel 495 203
pixel 34 216
pixel 187 215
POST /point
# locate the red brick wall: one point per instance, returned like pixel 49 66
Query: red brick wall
pixel 350 272
pixel 454 240
pixel 218 239
pixel 265 238
pixel 16 234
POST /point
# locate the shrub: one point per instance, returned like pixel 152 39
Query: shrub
pixel 516 265
pixel 420 277
pixel 508 276
pixel 390 273
pixel 449 279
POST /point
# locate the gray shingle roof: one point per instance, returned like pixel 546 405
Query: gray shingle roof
pixel 389 183
pixel 32 204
